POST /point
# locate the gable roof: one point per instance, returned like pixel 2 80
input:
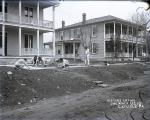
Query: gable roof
pixel 97 20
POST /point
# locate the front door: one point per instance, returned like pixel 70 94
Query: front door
pixel 28 41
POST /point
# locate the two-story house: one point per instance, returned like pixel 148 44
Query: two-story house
pixel 107 37
pixel 22 26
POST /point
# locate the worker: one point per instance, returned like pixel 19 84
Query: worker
pixel 21 63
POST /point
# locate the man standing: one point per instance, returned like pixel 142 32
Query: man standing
pixel 87 55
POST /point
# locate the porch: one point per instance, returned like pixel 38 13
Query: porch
pixel 22 42
pixel 68 49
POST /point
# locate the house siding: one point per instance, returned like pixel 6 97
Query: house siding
pixel 99 40
pixel 13 43
pixel 29 25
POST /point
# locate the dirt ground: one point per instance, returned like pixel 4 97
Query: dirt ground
pixel 69 94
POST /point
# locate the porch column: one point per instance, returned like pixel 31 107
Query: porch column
pixel 121 40
pixel 20 29
pixel 38 47
pixel 3 10
pixel 54 31
pixel 20 11
pixel 3 28
pixel 128 42
pixel 38 9
pixel 3 40
pixel 38 22
pixel 62 49
pixel 128 49
pixel 74 54
pixel 132 44
pixel 121 31
pixel 104 42
pixel 19 41
pixel 114 38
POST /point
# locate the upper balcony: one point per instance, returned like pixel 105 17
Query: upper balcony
pixel 123 32
pixel 12 19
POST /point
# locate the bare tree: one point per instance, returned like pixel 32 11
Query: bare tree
pixel 141 20
pixel 85 36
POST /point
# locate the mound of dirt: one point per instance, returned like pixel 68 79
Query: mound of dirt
pixel 25 86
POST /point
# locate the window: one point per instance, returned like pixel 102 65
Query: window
pixel 118 29
pixel 6 7
pixel 124 47
pixel 28 41
pixel 28 12
pixel 109 28
pixel 109 46
pixel 130 30
pixel 134 32
pixel 75 33
pixel 94 48
pixel 31 12
pixel 94 30
pixel 58 50
pixel 0 6
pixel 68 48
pixel 78 32
pixel 124 29
pixel 61 35
pixel 130 47
pixel 144 48
pixel 72 33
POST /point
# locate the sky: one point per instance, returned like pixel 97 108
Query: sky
pixel 71 11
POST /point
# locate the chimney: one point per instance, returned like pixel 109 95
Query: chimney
pixel 63 23
pixel 83 18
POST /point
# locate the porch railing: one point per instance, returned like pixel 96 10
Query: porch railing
pixel 46 24
pixel 29 21
pixel 119 55
pixel 26 21
pixel 11 18
pixel 33 51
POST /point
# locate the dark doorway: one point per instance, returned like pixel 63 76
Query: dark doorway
pixel 68 48
pixel 134 50
pixel 5 44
